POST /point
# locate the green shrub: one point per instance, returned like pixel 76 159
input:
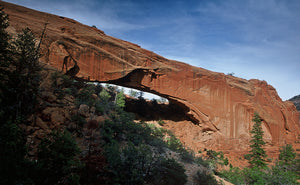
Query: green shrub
pixel 201 161
pixel 168 172
pixel 63 85
pixel 120 101
pixel 281 176
pixel 174 143
pixel 187 155
pixel 161 122
pixel 255 176
pixel 129 165
pixel 234 175
pixel 287 154
pixel 85 96
pixel 205 177
pixel 79 120
pixel 57 159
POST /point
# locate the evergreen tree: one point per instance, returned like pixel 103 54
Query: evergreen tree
pixel 104 105
pixel 4 45
pixel 120 100
pixel 4 36
pixel 287 158
pixel 19 80
pixel 257 153
pixel 25 77
pixel 287 154
pixel 20 76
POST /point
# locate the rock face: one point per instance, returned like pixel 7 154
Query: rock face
pixel 296 101
pixel 221 106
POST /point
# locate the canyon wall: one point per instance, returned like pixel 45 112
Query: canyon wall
pixel 221 106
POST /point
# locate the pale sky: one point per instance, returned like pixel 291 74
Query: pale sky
pixel 251 38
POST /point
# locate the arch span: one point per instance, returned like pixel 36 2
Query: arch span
pixel 222 105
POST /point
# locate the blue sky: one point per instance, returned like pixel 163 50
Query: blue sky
pixel 251 38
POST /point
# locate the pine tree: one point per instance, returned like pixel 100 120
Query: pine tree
pixel 287 158
pixel 25 77
pixel 120 100
pixel 4 45
pixel 4 36
pixel 287 154
pixel 12 141
pixel 20 76
pixel 257 154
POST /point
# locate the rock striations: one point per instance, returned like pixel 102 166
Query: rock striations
pixel 221 106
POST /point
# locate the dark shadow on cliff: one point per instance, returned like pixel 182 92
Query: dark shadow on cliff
pixel 147 110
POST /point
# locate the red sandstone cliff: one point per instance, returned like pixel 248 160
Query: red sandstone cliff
pixel 220 106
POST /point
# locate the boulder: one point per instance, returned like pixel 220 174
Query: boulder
pixel 84 110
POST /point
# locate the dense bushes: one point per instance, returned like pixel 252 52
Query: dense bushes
pixel 167 172
pixel 205 177
pixel 130 149
pixel 57 160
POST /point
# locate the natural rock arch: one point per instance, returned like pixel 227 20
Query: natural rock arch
pixel 218 103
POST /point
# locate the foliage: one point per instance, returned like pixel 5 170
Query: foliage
pixel 168 172
pixel 161 122
pixel 21 78
pixel 278 175
pixel 176 145
pixel 257 153
pixel 79 120
pixel 218 157
pixel 12 153
pixel 131 157
pixel 84 96
pixel 57 158
pixel 132 165
pixel 19 74
pixel 120 100
pixel 205 177
pixel 4 36
pixel 281 176
pixel 202 162
pixel 104 105
pixel 133 93
pixel 287 154
pixel 234 175
pixel 63 85
pixel 25 78
pixel 121 128
pixel 245 176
